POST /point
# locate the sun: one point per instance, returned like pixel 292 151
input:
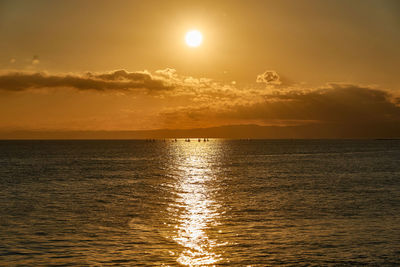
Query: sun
pixel 193 38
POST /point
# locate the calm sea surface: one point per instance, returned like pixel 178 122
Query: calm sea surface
pixel 222 202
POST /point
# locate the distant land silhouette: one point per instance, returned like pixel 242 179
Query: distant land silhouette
pixel 312 131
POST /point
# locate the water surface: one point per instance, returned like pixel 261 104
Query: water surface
pixel 222 202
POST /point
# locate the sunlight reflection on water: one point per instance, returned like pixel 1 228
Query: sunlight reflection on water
pixel 199 209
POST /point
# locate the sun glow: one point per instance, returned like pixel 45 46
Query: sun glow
pixel 193 38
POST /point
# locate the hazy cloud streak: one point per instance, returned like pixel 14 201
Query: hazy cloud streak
pixel 115 80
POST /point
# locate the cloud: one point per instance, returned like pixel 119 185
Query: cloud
pixel 184 101
pixel 160 83
pixel 116 80
pixel 269 77
pixel 166 82
pixel 335 103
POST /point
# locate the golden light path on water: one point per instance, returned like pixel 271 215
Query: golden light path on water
pixel 198 210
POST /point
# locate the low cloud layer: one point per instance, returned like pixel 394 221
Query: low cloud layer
pixel 336 103
pixel 115 80
pixel 171 100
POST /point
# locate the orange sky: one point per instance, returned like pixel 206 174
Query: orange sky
pixel 124 65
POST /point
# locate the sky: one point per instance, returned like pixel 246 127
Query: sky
pixel 124 65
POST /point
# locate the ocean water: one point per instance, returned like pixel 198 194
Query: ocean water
pixel 222 202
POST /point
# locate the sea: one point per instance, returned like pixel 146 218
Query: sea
pixel 214 202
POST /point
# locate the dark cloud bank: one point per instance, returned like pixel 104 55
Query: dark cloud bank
pixel 336 111
pixel 116 80
pixel 336 104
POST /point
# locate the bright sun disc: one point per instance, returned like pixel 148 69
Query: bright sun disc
pixel 193 38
